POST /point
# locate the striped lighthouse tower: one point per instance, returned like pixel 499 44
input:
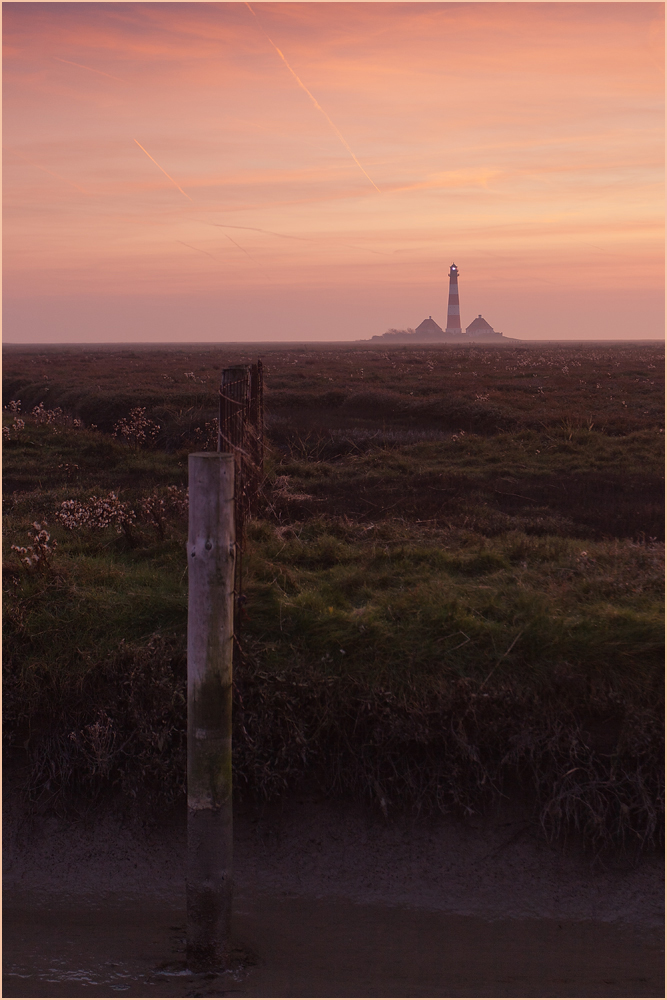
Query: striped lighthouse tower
pixel 453 314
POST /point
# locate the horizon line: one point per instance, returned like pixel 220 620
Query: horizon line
pixel 421 343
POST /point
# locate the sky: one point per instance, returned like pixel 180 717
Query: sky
pixel 309 171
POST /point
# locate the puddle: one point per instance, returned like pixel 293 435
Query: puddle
pixel 332 902
pixel 324 948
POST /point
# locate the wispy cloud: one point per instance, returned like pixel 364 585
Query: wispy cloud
pixel 453 179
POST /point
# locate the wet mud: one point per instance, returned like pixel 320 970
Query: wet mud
pixel 332 902
pixel 295 947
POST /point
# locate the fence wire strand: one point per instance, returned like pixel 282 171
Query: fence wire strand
pixel 241 433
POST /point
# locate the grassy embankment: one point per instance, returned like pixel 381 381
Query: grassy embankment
pixel 431 618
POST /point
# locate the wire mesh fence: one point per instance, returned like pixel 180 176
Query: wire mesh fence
pixel 241 432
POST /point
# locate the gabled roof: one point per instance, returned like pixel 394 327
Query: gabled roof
pixel 429 326
pixel 478 325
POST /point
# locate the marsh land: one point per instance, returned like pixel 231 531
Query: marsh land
pixel 452 585
pixel 450 662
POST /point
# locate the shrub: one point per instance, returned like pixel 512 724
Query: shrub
pixel 156 509
pixel 37 557
pixel 207 437
pixel 97 512
pixel 137 429
pixel 17 426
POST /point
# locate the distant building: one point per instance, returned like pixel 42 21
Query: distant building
pixel 429 329
pixel 479 329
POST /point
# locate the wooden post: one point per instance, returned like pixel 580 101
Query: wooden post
pixel 211 559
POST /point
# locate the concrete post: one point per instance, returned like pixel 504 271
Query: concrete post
pixel 211 555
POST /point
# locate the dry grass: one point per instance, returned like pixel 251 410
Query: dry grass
pixel 430 748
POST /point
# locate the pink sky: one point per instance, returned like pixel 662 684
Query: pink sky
pixel 524 141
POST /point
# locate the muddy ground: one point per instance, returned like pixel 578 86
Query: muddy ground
pixel 332 901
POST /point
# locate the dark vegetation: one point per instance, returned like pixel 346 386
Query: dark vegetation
pixel 452 589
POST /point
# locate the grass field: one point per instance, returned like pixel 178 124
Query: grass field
pixel 452 587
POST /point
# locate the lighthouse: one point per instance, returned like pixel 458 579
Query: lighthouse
pixel 453 314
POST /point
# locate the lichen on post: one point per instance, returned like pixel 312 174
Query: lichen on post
pixel 211 559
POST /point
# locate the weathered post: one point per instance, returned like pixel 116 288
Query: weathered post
pixel 211 559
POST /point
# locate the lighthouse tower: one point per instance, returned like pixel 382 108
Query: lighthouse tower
pixel 453 315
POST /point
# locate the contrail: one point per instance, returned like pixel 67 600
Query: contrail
pixel 285 236
pixel 241 248
pixel 253 229
pixel 315 102
pixel 230 240
pixel 196 248
pixel 163 170
pixel 91 68
pixel 381 253
pixel 39 167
